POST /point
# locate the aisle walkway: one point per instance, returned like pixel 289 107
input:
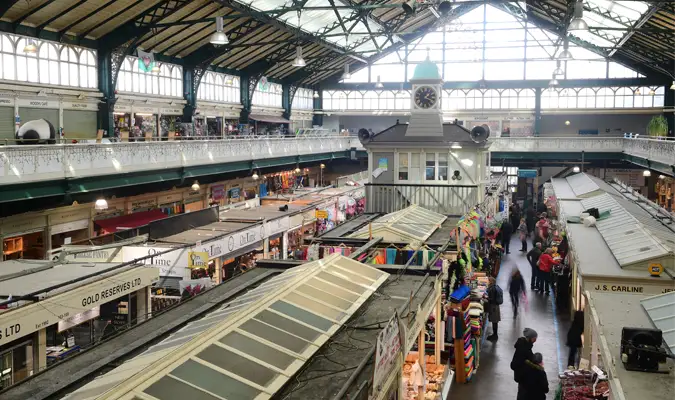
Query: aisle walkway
pixel 494 379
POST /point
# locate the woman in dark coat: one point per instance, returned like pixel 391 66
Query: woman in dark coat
pixel 494 314
pixel 574 338
pixel 534 383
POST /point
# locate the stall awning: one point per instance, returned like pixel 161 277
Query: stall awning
pixel 135 220
pixel 268 118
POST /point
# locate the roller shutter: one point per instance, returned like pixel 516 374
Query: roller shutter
pixel 79 124
pixel 6 125
pixel 30 114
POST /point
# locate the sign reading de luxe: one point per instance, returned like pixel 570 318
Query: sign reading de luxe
pixel 23 321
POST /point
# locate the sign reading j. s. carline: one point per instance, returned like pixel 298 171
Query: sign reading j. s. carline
pixel 23 321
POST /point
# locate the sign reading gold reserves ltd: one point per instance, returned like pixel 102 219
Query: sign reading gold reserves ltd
pixel 19 322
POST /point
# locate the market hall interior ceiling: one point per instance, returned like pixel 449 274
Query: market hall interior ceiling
pixel 334 38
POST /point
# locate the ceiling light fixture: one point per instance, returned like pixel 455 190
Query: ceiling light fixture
pixel 155 69
pixel 672 87
pixel 378 84
pixel 565 55
pixel 558 69
pixel 578 23
pixel 456 146
pixel 255 176
pixel 297 170
pixel 299 62
pixel 638 92
pixel 31 47
pixel 101 204
pixel 409 7
pixel 553 81
pixel 567 123
pixel 646 173
pixel 346 75
pixel 444 7
pixel 576 169
pixel 652 92
pixel 219 38
pixel 316 94
pixel 195 186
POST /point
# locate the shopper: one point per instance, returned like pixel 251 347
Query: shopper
pixel 564 246
pixel 523 352
pixel 530 217
pixel 534 384
pixel 516 289
pixel 542 226
pixel 507 231
pixel 574 338
pixel 495 299
pixel 522 232
pixel 546 263
pixel 533 258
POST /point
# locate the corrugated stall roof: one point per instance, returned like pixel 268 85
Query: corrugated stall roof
pixel 626 237
pixel 413 223
pixel 661 310
pixel 585 185
pixel 252 346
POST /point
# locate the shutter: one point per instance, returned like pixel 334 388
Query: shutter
pixel 169 282
pixel 79 124
pixel 30 114
pixel 6 125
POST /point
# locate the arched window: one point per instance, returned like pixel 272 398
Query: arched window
pixel 68 67
pixel 604 98
pixel 49 64
pixel 509 99
pixel 327 99
pixel 354 100
pixel 526 99
pixel 387 100
pixel 167 82
pixel 454 100
pixel 371 100
pixel 549 98
pixel 474 100
pixel 624 98
pixel 267 94
pixel 303 99
pixel 88 77
pixel 403 100
pixel 27 64
pixel 586 98
pixel 567 98
pixel 220 88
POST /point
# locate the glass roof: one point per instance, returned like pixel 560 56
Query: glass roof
pixel 326 22
pixel 250 347
pixel 628 240
pixel 609 14
pixel 661 310
pixel 410 224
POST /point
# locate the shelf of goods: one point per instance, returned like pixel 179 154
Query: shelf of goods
pixel 434 378
pixel 581 384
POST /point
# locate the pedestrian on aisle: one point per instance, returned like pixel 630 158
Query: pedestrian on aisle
pixel 546 263
pixel 523 353
pixel 534 385
pixel 533 258
pixel 522 232
pixel 516 289
pixel 574 338
pixel 530 217
pixel 495 299
pixel 507 231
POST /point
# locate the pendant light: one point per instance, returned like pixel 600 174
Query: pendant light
pixel 638 92
pixel 553 81
pixel 219 38
pixel 652 92
pixel 409 7
pixel 101 204
pixel 346 75
pixel 672 87
pixel 255 176
pixel 576 169
pixel 646 173
pixel 316 94
pixel 299 62
pixel 195 186
pixel 155 69
pixel 378 84
pixel 558 70
pixel 31 47
pixel 578 23
pixel 565 55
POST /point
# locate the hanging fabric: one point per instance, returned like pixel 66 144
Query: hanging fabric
pixel 391 256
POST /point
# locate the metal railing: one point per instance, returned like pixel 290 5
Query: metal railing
pixel 443 199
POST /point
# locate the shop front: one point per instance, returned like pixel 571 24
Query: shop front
pixel 122 123
pixel 7 118
pixel 145 121
pixel 217 195
pixel 170 203
pixel 271 124
pixel 31 109
pixel 37 334
pixel 194 200
pixel 170 121
pixel 128 221
pixel 79 120
pixel 24 238
pixel 69 226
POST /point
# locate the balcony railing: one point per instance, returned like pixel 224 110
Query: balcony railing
pixel 662 151
pixel 443 199
pixel 31 163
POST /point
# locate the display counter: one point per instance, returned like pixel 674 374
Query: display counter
pixel 424 380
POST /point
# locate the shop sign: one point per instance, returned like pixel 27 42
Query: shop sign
pixel 171 111
pixel 388 351
pixel 321 214
pixel 170 198
pixel 77 319
pixel 192 194
pixel 171 264
pixel 527 173
pixel 198 259
pixel 69 105
pixel 217 192
pixel 24 225
pixel 146 203
pixel 86 254
pixel 71 215
pixel 276 226
pixel 233 242
pixel 147 110
pixel 631 288
pixel 37 103
pixel 69 226
pixel 6 101
pixel 235 193
pixel 23 321
pixel 123 108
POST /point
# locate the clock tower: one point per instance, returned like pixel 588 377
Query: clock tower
pixel 426 116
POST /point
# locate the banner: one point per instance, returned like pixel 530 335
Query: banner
pixel 146 61
pixel 198 259
pixel 389 348
pixel 195 286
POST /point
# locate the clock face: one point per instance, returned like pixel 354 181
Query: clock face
pixel 425 97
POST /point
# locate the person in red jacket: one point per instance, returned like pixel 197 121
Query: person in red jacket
pixel 546 263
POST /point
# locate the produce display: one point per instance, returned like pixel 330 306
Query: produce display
pixel 581 385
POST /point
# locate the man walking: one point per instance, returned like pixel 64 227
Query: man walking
pixel 523 353
pixel 507 231
pixel 533 258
